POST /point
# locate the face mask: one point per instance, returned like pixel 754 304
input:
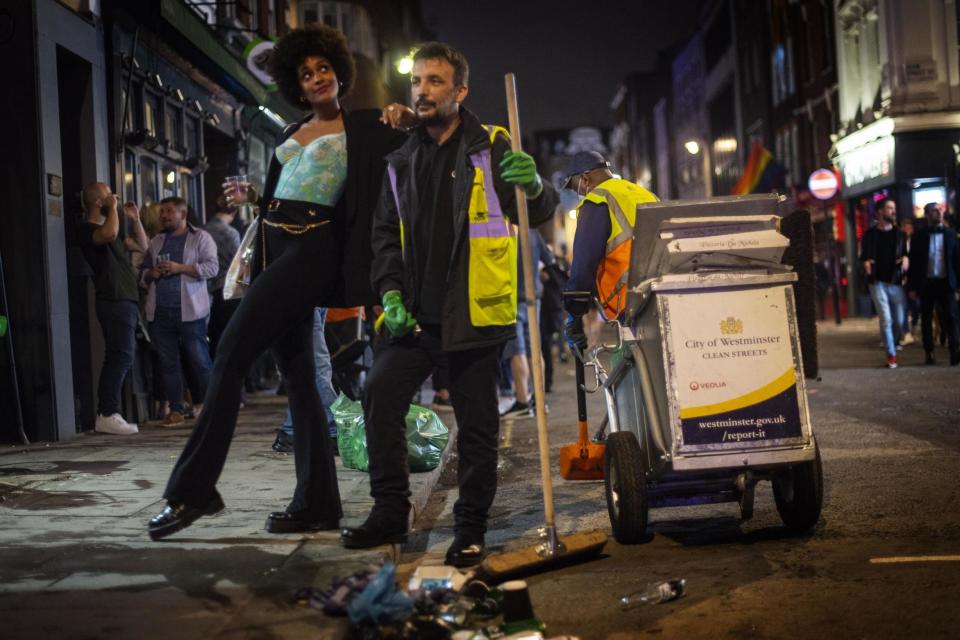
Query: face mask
pixel 580 182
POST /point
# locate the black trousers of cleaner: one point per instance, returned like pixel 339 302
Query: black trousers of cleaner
pixel 936 295
pixel 277 311
pixel 398 371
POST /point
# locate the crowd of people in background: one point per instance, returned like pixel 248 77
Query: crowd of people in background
pixel 159 282
pixel 913 275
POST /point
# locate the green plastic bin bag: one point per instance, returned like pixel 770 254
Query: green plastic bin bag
pixel 427 436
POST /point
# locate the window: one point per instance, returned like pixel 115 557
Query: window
pixel 129 177
pixel 186 189
pixel 271 27
pixel 191 146
pixel 254 16
pixel 148 181
pixel 782 67
pixel 130 106
pixel 826 28
pixel 172 129
pixel 349 17
pixel 169 181
pixel 777 64
pixel 151 113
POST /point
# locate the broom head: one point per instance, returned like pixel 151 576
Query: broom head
pixel 576 548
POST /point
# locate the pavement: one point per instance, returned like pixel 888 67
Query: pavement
pixel 76 562
pixel 73 538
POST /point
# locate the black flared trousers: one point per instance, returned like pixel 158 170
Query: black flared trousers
pixel 277 311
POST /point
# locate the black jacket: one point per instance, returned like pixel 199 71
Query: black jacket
pixel 389 272
pixel 920 256
pixel 868 251
pixel 368 142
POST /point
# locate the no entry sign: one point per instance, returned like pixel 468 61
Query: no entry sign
pixel 823 184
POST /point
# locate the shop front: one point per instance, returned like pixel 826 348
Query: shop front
pixel 911 159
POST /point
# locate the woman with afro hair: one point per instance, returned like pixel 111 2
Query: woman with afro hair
pixel 312 249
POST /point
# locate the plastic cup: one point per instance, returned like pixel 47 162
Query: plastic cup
pixel 238 184
pixel 516 601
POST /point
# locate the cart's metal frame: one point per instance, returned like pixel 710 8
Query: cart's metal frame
pixel 637 387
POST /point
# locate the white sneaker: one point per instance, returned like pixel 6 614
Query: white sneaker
pixel 114 424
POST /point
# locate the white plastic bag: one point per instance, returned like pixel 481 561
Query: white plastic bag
pixel 238 275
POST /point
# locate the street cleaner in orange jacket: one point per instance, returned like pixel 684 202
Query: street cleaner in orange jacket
pixel 445 259
pixel 603 241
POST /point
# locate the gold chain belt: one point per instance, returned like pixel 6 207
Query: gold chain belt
pixel 295 229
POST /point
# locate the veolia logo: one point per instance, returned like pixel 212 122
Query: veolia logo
pixel 696 386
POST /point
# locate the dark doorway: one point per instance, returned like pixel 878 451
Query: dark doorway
pixel 221 151
pixel 78 162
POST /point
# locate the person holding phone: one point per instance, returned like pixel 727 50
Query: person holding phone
pixel 106 247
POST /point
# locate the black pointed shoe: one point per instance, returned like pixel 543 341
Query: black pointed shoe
pixel 375 531
pixel 297 522
pixel 466 551
pixel 176 516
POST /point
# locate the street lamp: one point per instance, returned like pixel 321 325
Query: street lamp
pixel 405 65
pixel 693 148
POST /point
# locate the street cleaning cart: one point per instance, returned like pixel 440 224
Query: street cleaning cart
pixel 702 374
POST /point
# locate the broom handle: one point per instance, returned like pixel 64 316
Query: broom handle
pixel 581 394
pixel 529 285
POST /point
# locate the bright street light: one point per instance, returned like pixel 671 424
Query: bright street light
pixel 693 148
pixel 725 145
pixel 405 64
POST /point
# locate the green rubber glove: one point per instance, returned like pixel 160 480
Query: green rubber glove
pixel 398 320
pixel 518 168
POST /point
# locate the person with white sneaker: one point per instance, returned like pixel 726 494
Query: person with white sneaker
pixel 106 248
pixel 518 349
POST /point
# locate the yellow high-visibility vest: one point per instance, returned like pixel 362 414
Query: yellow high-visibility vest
pixel 492 265
pixel 621 198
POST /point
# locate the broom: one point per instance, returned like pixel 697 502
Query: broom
pixel 554 551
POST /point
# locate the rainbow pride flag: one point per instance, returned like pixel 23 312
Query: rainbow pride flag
pixel 762 174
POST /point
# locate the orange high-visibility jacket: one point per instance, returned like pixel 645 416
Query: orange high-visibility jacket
pixel 621 198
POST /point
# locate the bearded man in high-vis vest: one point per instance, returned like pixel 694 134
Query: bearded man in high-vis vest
pixel 445 264
pixel 603 241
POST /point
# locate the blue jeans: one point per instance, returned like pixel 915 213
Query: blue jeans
pixel 169 333
pixel 321 356
pixel 118 320
pixel 891 304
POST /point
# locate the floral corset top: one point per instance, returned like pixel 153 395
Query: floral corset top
pixel 314 173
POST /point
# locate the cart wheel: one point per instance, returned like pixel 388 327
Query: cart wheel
pixel 626 487
pixel 798 492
